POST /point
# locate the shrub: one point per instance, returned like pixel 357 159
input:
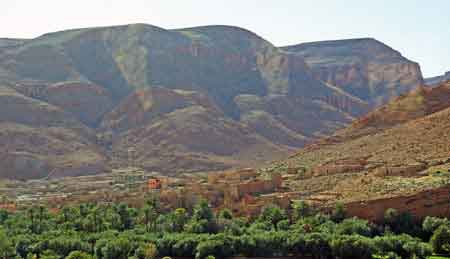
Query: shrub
pixel 440 240
pixel 352 247
pixel 79 255
pixel 354 226
pixel 338 213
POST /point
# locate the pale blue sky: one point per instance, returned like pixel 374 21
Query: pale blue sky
pixel 419 29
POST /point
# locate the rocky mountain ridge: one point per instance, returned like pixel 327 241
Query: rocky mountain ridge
pixel 194 99
pixel 433 81
pixel 365 67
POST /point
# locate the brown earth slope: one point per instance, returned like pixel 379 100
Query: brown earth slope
pixel 38 138
pixel 179 131
pixel 416 104
pixel 409 155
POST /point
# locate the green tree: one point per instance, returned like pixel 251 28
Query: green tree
pixel 203 219
pixel 430 224
pixel 272 214
pixel 149 216
pixel 180 218
pixel 417 249
pixel 6 247
pixel 300 209
pixel 352 247
pixel 119 248
pixel 147 251
pixel 354 225
pixel 440 240
pixel 4 214
pixel 391 216
pixel 79 255
pixel 226 214
pixel 23 246
pixel 338 213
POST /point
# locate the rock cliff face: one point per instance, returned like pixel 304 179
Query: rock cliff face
pixel 432 202
pixel 435 81
pixel 366 68
pixel 39 138
pixel 203 98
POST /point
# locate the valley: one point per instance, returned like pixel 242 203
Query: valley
pixel 348 121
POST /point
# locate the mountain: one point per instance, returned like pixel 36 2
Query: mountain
pixel 437 79
pixel 193 99
pixel 38 138
pixel 7 42
pixel 367 68
pixel 416 104
pixel 397 150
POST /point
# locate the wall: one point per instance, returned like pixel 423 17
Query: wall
pixel 406 171
pixel 435 202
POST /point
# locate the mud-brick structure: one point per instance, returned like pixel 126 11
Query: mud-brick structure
pixel 234 176
pixel 234 190
pixel 410 170
pixel 237 191
pixel 339 167
pixel 154 184
pixel 11 207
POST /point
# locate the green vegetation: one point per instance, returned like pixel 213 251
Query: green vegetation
pixel 89 231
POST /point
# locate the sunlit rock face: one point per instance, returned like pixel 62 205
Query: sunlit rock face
pixel 365 68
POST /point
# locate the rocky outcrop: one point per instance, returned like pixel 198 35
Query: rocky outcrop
pixel 27 152
pixel 87 102
pixel 20 109
pixel 437 80
pixel 433 202
pixel 365 68
pixel 146 106
pixel 38 138
pixel 416 104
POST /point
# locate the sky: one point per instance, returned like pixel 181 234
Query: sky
pixel 419 29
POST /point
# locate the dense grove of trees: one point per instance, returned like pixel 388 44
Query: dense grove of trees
pixel 89 231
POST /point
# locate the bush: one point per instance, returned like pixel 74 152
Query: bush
pixel 430 224
pixel 338 213
pixel 79 255
pixel 354 226
pixel 300 210
pixel 272 214
pixel 403 245
pixel 352 247
pixel 147 251
pixel 440 240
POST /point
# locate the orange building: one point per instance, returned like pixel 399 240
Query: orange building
pixel 154 184
pixel 11 207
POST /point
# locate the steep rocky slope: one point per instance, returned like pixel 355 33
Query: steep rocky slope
pixel 416 104
pixel 365 67
pixel 204 98
pixel 183 131
pixel 38 138
pixel 400 149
